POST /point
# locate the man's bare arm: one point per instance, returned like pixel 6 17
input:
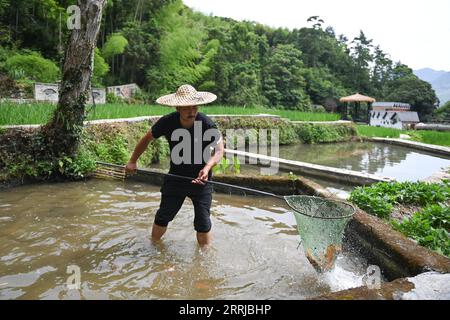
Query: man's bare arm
pixel 142 145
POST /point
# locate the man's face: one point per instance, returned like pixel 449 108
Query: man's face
pixel 188 113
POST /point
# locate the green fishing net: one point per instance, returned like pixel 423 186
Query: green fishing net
pixel 321 223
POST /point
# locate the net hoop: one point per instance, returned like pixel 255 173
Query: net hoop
pixel 350 206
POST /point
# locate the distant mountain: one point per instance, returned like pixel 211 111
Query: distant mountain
pixel 440 81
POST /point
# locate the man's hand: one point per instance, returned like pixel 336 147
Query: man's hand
pixel 202 176
pixel 130 168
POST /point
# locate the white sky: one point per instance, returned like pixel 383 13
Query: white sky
pixel 416 32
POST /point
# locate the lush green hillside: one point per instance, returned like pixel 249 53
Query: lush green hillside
pixel 160 44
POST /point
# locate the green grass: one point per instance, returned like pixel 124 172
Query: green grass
pixel 425 136
pixel 39 113
pixel 368 131
pixel 433 137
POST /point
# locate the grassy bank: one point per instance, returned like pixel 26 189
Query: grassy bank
pixel 368 131
pixel 419 210
pixel 112 143
pixel 38 113
pixel 425 136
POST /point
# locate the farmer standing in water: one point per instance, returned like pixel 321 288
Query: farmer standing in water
pixel 192 137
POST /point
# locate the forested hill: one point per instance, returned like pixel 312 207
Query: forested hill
pixel 160 44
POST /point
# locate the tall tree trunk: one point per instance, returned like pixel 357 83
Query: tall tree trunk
pixel 62 132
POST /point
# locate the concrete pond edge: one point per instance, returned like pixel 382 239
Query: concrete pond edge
pixel 431 148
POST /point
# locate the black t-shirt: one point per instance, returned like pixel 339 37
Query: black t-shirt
pixel 190 150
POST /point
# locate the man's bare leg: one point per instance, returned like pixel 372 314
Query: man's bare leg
pixel 204 239
pixel 157 232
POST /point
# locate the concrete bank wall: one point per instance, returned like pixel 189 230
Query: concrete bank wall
pixel 338 122
pixel 441 150
pixel 433 126
pixel 397 255
pixel 329 173
pixel 49 92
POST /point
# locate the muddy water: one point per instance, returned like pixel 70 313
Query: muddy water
pixel 102 227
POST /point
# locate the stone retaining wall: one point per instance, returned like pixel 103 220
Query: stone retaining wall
pixel 49 92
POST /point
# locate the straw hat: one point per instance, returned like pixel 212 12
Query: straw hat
pixel 185 96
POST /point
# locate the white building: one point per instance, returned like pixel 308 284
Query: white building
pixel 393 115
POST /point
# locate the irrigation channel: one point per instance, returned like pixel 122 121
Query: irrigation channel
pixel 103 228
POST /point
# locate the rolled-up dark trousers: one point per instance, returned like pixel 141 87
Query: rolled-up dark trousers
pixel 171 204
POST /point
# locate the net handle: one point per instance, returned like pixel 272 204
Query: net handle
pixel 227 185
pixel 285 198
pixel 207 181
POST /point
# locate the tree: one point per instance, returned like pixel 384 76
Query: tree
pixel 361 53
pixel 5 32
pixel 33 66
pixel 322 86
pixel 245 86
pixel 408 88
pixel 309 42
pixel 62 132
pixel 101 68
pixel 381 72
pixel 4 5
pixel 283 82
pixel 443 112
pixel 115 45
pixel 243 54
pixel 33 24
pixel 316 22
pixel 321 49
pixel 185 54
pixel 141 56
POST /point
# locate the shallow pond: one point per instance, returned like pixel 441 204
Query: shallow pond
pixel 398 162
pixel 103 228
